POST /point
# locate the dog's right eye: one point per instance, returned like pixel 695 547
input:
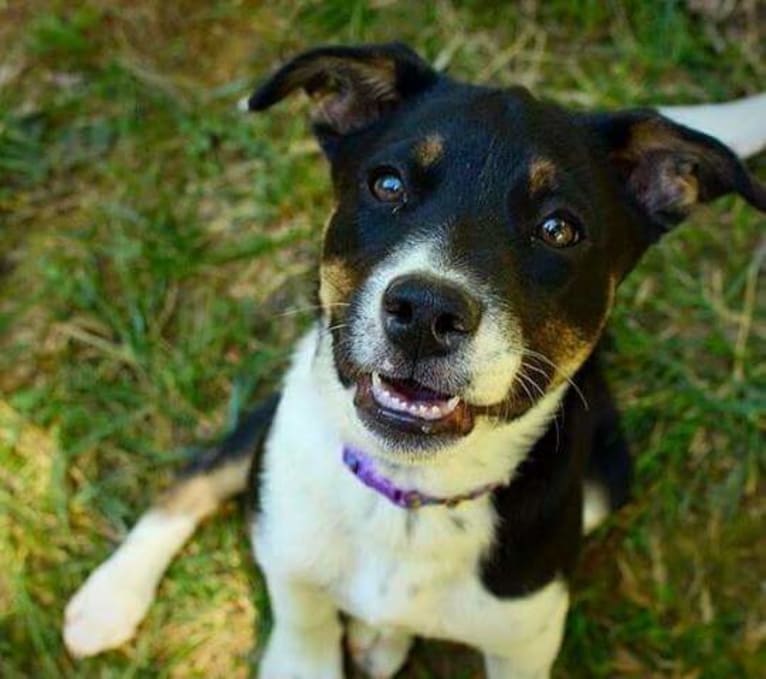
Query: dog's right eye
pixel 559 232
pixel 387 185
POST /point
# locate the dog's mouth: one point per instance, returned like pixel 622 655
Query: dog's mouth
pixel 405 405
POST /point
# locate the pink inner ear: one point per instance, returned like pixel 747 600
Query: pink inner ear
pixel 349 108
pixel 338 110
pixel 351 96
pixel 664 183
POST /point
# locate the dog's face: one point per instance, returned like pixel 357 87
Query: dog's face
pixel 479 235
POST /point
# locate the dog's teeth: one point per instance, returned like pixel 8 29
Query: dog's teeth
pixel 382 395
pixel 433 413
pixel 422 410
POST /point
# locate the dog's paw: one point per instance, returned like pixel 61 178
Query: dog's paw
pixel 105 611
pixel 379 652
pixel 302 655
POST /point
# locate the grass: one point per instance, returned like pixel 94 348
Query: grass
pixel 154 245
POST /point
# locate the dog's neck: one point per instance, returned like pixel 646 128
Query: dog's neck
pixel 365 470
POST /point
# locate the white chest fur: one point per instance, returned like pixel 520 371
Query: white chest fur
pixel 416 570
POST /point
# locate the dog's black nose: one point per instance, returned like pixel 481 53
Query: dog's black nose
pixel 426 316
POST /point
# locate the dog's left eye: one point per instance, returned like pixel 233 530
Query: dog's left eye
pixel 387 186
pixel 559 232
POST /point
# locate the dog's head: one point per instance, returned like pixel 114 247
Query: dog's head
pixel 479 233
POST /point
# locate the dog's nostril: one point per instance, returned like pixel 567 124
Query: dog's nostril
pixel 400 309
pixel 427 315
pixel 446 324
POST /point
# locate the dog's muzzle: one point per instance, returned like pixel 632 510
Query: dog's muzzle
pixel 427 323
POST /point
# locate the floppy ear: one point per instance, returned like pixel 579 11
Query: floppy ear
pixel 668 169
pixel 351 87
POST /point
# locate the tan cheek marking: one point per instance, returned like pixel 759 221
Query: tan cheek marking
pixel 430 150
pixel 542 173
pixel 566 348
pixel 571 348
pixel 336 282
pixel 571 363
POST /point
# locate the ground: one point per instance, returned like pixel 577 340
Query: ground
pixel 157 254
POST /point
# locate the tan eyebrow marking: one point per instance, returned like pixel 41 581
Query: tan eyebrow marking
pixel 542 174
pixel 429 150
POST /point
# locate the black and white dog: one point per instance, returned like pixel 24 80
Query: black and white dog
pixel 443 437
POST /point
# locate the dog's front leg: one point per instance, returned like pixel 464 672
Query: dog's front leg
pixel 305 641
pixel 517 667
pixel 532 655
pixel 506 668
pixel 530 660
pixel 378 651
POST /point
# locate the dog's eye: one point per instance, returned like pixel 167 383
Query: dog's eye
pixel 387 186
pixel 559 232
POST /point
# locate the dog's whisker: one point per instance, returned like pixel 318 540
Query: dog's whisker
pixel 524 387
pixel 523 376
pixel 541 391
pixel 560 371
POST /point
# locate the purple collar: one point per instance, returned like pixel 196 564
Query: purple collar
pixel 364 470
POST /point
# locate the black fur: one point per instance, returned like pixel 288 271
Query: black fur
pixel 539 514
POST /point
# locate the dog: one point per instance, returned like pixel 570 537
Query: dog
pixel 444 436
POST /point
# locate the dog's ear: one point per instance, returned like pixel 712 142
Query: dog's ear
pixel 351 87
pixel 668 169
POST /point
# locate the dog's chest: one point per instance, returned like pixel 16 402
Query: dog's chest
pixel 418 570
